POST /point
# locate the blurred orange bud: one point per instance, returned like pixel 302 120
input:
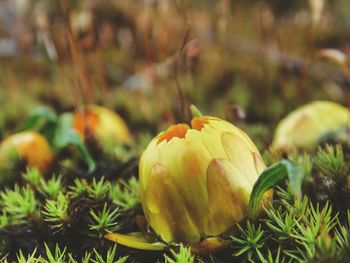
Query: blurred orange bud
pixel 27 146
pixel 106 126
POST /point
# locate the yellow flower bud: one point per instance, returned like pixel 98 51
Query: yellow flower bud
pixel 27 146
pixel 305 126
pixel 196 182
pixel 333 55
pixel 106 126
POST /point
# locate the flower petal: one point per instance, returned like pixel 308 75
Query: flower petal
pixel 228 194
pixel 225 126
pixel 148 158
pixel 259 163
pixel 187 160
pixel 166 209
pixel 240 155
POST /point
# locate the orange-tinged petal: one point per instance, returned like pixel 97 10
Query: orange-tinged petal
pixel 188 162
pixel 198 123
pixel 178 131
pixel 166 210
pixel 228 194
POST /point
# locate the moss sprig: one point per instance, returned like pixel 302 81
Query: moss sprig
pixel 330 161
pixel 56 212
pixel 182 255
pixel 52 187
pixel 104 221
pixel 125 194
pixel 19 206
pixel 250 241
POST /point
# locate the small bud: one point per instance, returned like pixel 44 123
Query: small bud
pixel 104 125
pixel 333 55
pixel 30 147
pixel 307 125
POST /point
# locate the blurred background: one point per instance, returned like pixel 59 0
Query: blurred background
pixel 248 61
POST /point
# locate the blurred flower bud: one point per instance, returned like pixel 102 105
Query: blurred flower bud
pixel 104 125
pixel 307 125
pixel 196 182
pixel 333 55
pixel 28 146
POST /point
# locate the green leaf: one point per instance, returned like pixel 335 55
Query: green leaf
pixel 271 177
pixel 42 120
pixel 135 240
pixel 295 177
pixel 65 135
pixel 37 116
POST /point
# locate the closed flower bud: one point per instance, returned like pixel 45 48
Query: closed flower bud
pixel 28 146
pixel 106 126
pixel 196 182
pixel 333 55
pixel 306 126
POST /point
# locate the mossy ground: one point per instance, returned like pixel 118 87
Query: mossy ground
pixel 250 63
